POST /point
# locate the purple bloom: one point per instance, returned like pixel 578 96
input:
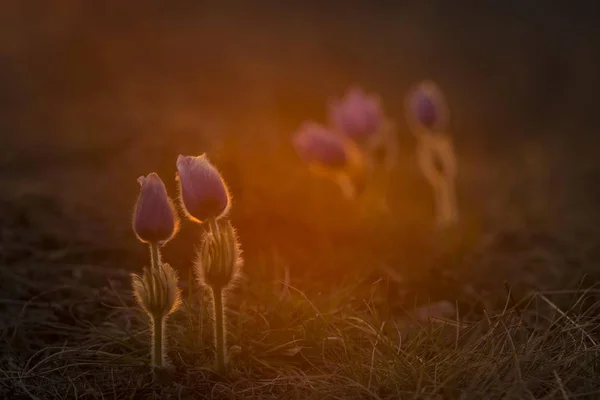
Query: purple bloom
pixel 203 192
pixel 425 105
pixel 316 144
pixel 357 116
pixel 154 218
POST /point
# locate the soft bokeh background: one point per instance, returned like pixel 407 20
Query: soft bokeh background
pixel 94 94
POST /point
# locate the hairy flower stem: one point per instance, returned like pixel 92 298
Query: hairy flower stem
pixel 158 321
pixel 158 330
pixel 219 318
pixel 447 213
pixel 154 256
pixel 213 227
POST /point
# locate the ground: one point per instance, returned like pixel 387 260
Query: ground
pixel 338 300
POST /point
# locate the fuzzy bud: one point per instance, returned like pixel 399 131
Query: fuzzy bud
pixel 156 291
pixel 357 115
pixel 203 192
pixel 315 144
pixel 155 220
pixel 426 107
pixel 332 156
pixel 219 259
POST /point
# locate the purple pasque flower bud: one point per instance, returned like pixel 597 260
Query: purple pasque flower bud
pixel 426 106
pixel 357 115
pixel 203 192
pixel 154 219
pixel 316 144
pixel 333 156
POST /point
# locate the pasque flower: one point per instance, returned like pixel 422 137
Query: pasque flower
pixel 426 107
pixel 357 115
pixel 427 115
pixel 316 144
pixel 205 198
pixel 217 267
pixel 331 155
pixel 155 220
pixel 360 117
pixel 203 192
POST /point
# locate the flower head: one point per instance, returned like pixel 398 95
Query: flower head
pixel 219 259
pixel 156 290
pixel 426 107
pixel 358 116
pixel 332 156
pixel 316 144
pixel 154 220
pixel 203 191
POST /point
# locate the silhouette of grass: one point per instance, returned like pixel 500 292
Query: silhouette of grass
pixel 90 342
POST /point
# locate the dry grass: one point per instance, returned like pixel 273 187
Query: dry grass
pixel 85 341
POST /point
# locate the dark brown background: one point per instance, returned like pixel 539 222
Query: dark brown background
pixel 95 93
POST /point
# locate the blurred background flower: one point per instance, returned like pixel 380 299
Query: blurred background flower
pixel 357 115
pixel 331 155
pixel 316 144
pixel 360 117
pixel 426 108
